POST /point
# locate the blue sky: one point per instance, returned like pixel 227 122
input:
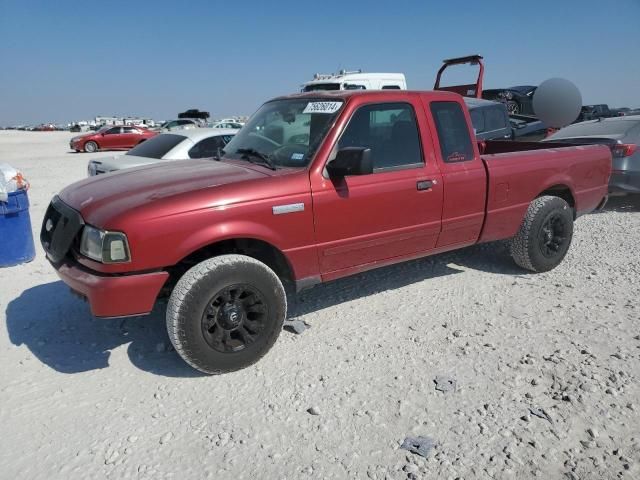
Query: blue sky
pixel 63 60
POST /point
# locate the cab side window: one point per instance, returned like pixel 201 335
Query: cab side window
pixel 390 130
pixel 113 131
pixel 453 133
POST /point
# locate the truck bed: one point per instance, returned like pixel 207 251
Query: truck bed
pixel 520 171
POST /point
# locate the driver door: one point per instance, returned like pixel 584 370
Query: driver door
pixel 395 211
pixel 112 138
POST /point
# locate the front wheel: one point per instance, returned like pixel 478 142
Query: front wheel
pixel 544 236
pixel 90 147
pixel 225 313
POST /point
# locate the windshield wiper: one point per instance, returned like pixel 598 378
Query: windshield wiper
pixel 254 156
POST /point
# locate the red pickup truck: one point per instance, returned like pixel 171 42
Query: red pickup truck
pixel 315 187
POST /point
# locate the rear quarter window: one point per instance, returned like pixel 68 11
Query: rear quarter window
pixel 453 133
pixel 157 147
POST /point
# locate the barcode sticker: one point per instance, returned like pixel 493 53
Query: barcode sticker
pixel 322 107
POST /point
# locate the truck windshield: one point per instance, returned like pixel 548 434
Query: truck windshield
pixel 284 133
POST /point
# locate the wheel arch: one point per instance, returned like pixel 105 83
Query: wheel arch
pixel 258 249
pixel 562 191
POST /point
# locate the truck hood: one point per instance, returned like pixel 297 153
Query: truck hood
pixel 103 199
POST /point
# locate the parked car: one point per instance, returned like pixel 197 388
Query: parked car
pixel 519 99
pixel 622 136
pixel 355 80
pixel 194 113
pixel 620 112
pixel 45 127
pixel 230 120
pixel 381 177
pixel 228 125
pixel 591 112
pixel 182 145
pixel 110 138
pixel 179 124
pixel 490 120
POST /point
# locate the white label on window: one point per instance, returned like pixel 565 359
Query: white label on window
pixel 322 107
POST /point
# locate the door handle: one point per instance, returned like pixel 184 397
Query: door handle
pixel 425 184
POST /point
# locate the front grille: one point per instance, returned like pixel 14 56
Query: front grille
pixel 60 227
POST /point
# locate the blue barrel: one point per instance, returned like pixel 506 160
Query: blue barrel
pixel 16 238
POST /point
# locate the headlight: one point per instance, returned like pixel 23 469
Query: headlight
pixel 91 169
pixel 103 246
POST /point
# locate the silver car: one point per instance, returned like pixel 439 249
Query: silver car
pixel 182 145
pixel 180 124
pixel 622 135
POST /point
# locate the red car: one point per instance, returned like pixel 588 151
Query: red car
pixel 111 138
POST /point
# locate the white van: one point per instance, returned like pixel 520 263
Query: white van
pixel 356 80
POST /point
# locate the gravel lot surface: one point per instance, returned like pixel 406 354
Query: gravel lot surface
pixel 540 372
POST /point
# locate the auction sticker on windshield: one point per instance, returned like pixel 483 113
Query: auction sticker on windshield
pixel 322 107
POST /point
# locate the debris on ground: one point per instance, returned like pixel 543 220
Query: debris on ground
pixel 445 384
pixel 419 445
pixel 540 413
pixel 295 326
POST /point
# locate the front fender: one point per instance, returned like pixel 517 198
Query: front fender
pixel 228 231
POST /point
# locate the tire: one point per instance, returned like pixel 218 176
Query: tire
pixel 90 147
pixel 201 308
pixel 544 236
pixel 513 107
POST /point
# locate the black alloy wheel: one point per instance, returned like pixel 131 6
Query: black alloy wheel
pixel 552 236
pixel 234 318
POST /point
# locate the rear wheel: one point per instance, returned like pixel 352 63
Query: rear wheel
pixel 90 147
pixel 225 313
pixel 545 234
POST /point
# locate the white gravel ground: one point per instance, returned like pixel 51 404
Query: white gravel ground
pixel 86 398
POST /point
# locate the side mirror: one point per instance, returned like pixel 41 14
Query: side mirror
pixel 351 161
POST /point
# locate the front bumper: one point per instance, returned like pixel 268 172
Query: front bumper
pixel 114 295
pixel 624 182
